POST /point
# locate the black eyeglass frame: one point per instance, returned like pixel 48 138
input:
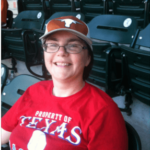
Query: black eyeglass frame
pixel 45 45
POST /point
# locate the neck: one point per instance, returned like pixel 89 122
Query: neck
pixel 65 89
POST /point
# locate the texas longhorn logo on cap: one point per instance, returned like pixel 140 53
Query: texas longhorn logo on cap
pixel 68 22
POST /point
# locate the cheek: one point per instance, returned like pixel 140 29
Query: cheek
pixel 47 59
pixel 86 59
pixel 82 61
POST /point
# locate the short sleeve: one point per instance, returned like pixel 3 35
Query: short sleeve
pixel 108 130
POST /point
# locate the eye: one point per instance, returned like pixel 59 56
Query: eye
pixel 72 46
pixel 52 45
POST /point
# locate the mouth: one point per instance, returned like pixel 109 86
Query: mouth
pixel 62 64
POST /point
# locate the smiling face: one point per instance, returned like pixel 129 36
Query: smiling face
pixel 62 65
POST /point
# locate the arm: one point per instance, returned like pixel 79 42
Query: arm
pixel 4 136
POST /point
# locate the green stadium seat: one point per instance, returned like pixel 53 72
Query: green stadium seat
pixel 29 5
pixel 39 5
pixel 138 67
pixel 15 89
pixel 142 41
pixel 93 8
pixel 134 8
pixel 136 61
pixel 61 5
pixel 98 73
pixel 13 45
pixel 135 70
pixel 113 28
pixel 110 30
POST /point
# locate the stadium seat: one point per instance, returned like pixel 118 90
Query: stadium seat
pixel 138 67
pixel 31 5
pixel 61 5
pixel 134 8
pixel 142 41
pixel 93 8
pixel 137 64
pixel 134 142
pixel 12 92
pixel 98 72
pixel 15 89
pixel 13 39
pixel 115 30
pixel 135 70
pixel 106 32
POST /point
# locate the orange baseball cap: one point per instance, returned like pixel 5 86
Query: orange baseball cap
pixel 70 24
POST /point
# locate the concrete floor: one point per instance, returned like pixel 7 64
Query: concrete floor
pixel 140 118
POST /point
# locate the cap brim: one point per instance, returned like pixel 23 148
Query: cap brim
pixel 80 35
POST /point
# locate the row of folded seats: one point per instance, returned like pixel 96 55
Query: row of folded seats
pixel 121 58
pixel 140 9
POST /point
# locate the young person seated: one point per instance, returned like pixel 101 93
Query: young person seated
pixel 66 112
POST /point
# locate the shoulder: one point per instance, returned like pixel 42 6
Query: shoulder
pixel 100 106
pixel 98 99
pixel 41 85
pixel 38 90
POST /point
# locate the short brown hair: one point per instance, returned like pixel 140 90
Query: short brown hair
pixel 88 69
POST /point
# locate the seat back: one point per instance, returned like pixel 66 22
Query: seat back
pixel 138 65
pixel 98 73
pixel 29 20
pixel 143 39
pixel 61 5
pixel 29 5
pixel 16 88
pixel 39 5
pixel 93 8
pixel 134 8
pixel 134 142
pixel 12 39
pixel 113 28
pixel 34 50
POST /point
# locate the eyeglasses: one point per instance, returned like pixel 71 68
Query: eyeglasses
pixel 70 48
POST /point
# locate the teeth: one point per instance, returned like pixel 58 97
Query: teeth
pixel 62 64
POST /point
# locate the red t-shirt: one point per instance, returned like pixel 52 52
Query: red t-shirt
pixel 87 120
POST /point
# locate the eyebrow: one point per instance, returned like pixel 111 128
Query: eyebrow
pixel 70 40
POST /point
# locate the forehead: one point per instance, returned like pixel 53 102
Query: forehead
pixel 64 36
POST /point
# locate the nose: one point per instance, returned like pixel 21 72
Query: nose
pixel 62 51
